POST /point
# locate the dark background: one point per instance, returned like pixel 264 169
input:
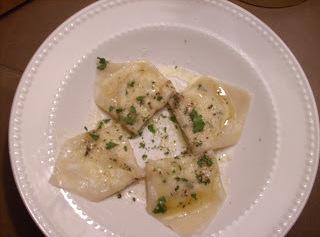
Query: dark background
pixel 24 28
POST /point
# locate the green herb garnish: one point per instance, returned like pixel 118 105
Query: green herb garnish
pixel 159 97
pixel 111 145
pixel 144 157
pixel 198 123
pixel 94 136
pixel 140 99
pixel 194 196
pixel 131 117
pixel 204 161
pixel 100 124
pixel 161 206
pixel 173 118
pixel 102 63
pixel 106 120
pixel 111 108
pixel 152 128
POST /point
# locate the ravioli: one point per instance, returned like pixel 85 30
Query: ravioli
pixel 211 114
pixel 132 92
pixel 96 164
pixel 184 192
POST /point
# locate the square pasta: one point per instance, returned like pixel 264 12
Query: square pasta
pixel 132 93
pixel 211 114
pixel 97 163
pixel 184 192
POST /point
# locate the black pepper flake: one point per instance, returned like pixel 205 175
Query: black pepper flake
pixel 88 149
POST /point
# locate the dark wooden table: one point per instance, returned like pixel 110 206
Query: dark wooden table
pixel 23 29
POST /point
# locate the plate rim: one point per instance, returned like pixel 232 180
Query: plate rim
pixel 96 7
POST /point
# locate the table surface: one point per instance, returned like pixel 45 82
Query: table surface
pixel 23 29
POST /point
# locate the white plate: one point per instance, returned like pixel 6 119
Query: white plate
pixel 272 169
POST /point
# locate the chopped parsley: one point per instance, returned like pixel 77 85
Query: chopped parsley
pixel 173 118
pixel 125 148
pixel 94 136
pixel 198 123
pixel 85 128
pixel 111 108
pixel 140 99
pixel 159 97
pixel 100 124
pixel 102 63
pixel 161 206
pixel 142 145
pixel 131 117
pixel 106 120
pixel 194 196
pixel 152 128
pixel 204 161
pixel 111 145
pixel 144 157
pixel 176 188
